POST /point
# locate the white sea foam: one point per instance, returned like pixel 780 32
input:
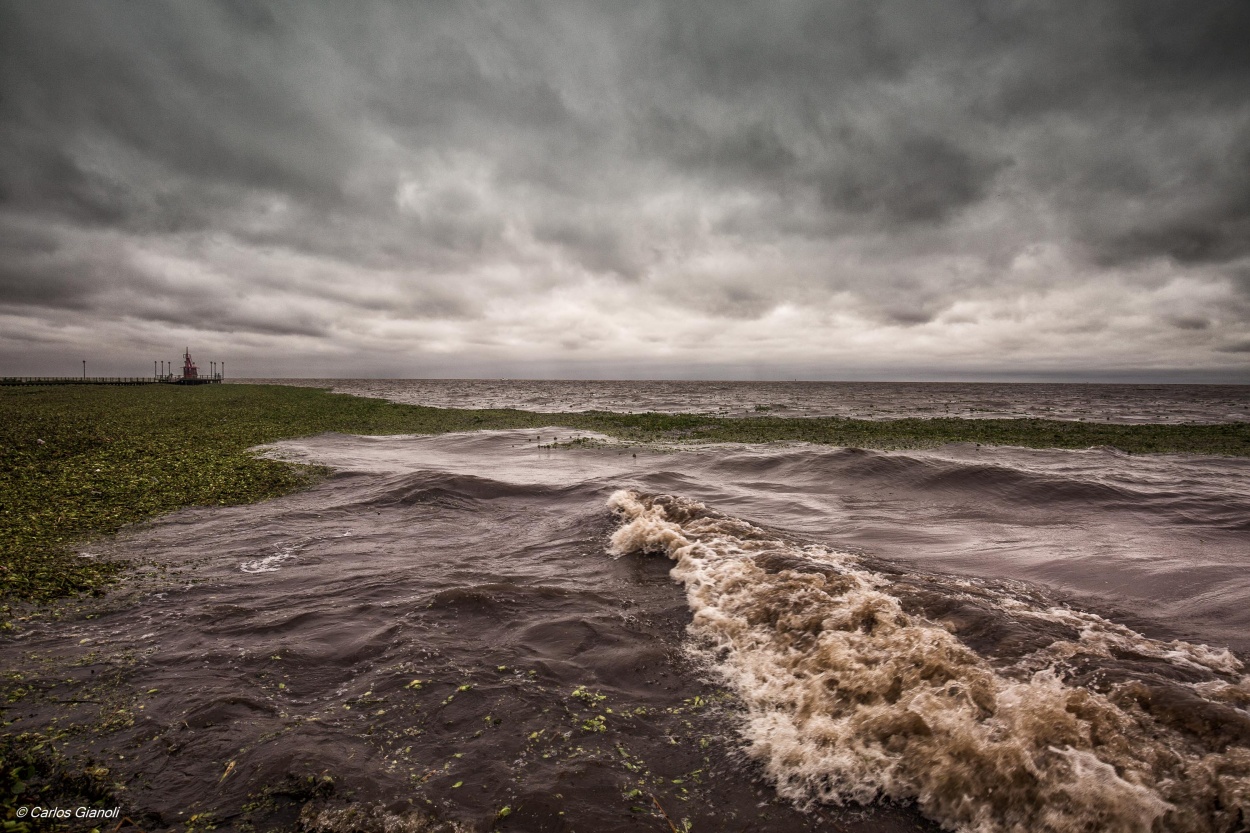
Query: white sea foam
pixel 270 563
pixel 850 697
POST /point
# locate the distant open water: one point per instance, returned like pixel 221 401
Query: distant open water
pixel 860 400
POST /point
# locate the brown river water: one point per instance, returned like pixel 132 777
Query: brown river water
pixel 1171 404
pixel 485 630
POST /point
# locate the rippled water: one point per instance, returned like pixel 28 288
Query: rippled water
pixel 995 639
pixel 860 400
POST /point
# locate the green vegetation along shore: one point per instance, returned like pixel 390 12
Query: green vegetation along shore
pixel 76 462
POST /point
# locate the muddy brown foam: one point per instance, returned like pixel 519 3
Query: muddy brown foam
pixel 859 686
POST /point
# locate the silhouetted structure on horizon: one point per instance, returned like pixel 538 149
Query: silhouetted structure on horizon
pixel 190 376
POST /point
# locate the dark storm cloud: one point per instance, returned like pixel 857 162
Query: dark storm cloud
pixel 1187 323
pixel 37 269
pixel 920 179
pixel 595 244
pixel 174 88
pixel 335 170
pixel 1135 79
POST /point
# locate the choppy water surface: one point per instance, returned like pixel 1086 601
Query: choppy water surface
pixel 859 400
pixel 748 638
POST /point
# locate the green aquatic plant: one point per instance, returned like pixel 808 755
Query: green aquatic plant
pixel 595 723
pixel 587 696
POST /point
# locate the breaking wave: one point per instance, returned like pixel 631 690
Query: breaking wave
pixel 990 708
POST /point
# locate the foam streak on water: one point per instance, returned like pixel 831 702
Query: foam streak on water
pixel 856 688
pixel 271 563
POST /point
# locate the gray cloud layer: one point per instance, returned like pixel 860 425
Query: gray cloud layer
pixel 810 188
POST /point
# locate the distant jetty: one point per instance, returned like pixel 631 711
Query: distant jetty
pixel 190 376
pixel 79 380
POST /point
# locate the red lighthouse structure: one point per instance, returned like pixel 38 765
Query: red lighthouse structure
pixel 189 371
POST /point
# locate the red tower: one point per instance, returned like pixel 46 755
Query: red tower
pixel 189 370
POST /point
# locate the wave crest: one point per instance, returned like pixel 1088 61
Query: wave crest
pixel 850 696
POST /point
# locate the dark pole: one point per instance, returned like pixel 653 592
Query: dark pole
pixel 84 368
pixel 154 368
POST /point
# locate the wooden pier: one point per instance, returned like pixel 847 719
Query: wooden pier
pixel 190 376
pixel 109 380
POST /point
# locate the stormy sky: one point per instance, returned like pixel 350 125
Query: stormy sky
pixel 685 189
